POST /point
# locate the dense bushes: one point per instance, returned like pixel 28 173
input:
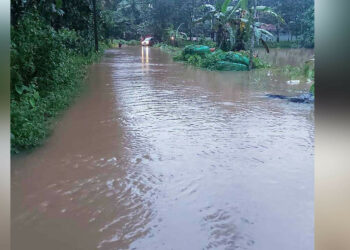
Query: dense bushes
pixel 47 67
pixel 122 41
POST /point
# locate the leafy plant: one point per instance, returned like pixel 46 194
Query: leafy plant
pixel 195 60
pixel 47 67
pixel 234 24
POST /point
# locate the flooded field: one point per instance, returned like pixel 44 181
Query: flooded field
pixel 159 155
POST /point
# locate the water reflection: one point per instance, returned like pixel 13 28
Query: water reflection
pixel 145 58
pixel 178 158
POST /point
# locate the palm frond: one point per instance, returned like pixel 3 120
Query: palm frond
pixel 225 5
pixel 241 4
pixel 265 32
pixel 265 45
pixel 270 11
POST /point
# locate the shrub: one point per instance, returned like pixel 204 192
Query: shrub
pixel 195 60
pixel 115 42
pixel 210 60
pixel 47 67
pixel 132 42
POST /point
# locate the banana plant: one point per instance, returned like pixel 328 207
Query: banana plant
pixel 234 22
pixel 254 27
pixel 219 16
pixel 176 35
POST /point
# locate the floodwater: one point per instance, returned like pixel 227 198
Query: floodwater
pixel 294 57
pixel 159 155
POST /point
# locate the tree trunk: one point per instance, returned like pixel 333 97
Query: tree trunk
pixel 252 39
pixel 220 36
pixel 16 11
pixel 278 32
pixel 95 24
pixel 191 23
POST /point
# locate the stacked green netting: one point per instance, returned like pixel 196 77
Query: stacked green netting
pixel 196 50
pixel 236 58
pixel 230 66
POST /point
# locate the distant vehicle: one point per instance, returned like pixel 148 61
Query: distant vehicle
pixel 149 41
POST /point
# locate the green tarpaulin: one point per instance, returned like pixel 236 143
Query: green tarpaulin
pixel 228 66
pixel 235 58
pixel 196 49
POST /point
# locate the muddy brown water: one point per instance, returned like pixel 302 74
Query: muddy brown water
pixel 159 155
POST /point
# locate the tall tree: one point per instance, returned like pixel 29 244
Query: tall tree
pixel 252 39
pixel 95 24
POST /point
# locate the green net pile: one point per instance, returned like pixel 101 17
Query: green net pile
pixel 200 55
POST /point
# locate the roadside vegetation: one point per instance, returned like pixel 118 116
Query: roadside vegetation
pixel 53 41
pixel 116 42
pixel 50 52
pixel 306 72
pixel 47 68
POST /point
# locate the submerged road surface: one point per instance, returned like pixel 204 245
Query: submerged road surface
pixel 160 155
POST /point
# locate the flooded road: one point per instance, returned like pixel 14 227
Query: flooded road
pixel 160 155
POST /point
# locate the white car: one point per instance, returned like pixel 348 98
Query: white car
pixel 147 42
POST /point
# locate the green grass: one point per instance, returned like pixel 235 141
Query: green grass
pixel 305 72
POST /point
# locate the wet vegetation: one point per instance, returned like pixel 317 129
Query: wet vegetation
pixel 219 59
pixel 52 42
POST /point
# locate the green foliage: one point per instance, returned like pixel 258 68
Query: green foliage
pixel 175 51
pixel 235 25
pixel 35 54
pixel 206 42
pixel 306 71
pixel 47 67
pixel 257 62
pixel 308 35
pixel 312 89
pixel 210 60
pixel 217 60
pixel 53 40
pixel 133 43
pixel 115 42
pixel 309 69
pixel 195 60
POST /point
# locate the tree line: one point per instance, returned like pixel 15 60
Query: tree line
pixel 53 40
pixel 131 19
